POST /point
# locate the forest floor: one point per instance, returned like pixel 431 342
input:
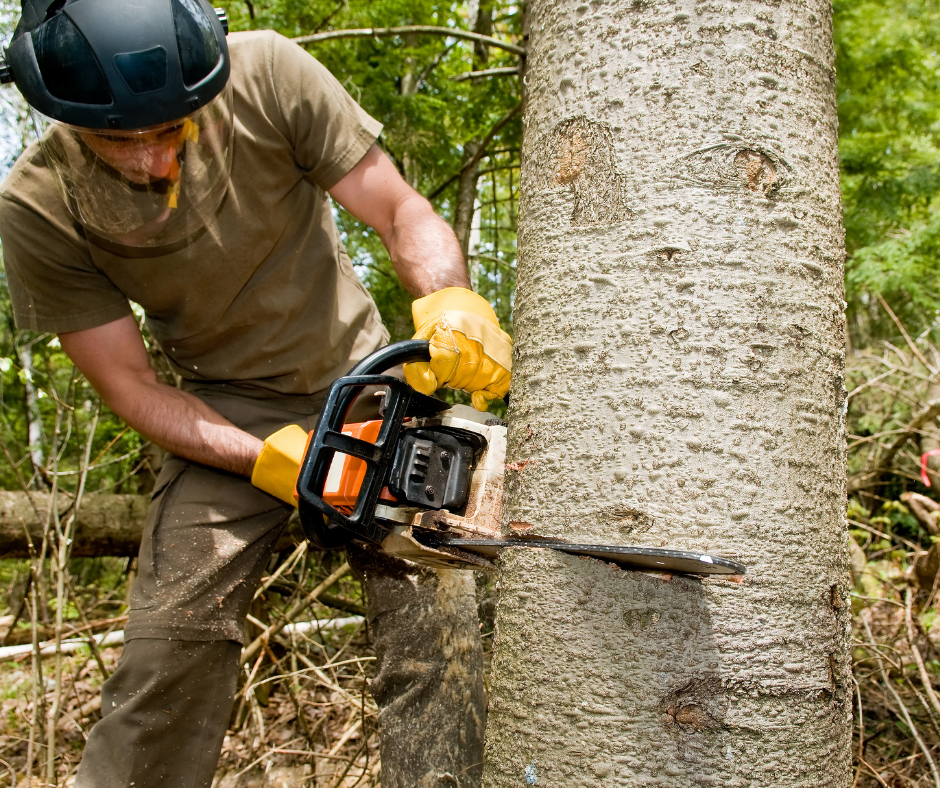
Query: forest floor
pixel 311 726
pixel 896 663
pixel 304 715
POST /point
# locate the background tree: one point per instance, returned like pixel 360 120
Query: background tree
pixel 677 383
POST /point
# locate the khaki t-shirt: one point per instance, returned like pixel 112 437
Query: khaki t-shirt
pixel 265 302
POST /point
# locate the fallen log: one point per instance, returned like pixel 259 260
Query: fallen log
pixel 108 524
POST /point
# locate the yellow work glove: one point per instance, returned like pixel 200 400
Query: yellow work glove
pixel 469 350
pixel 278 465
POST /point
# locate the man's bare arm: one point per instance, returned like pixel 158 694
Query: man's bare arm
pixel 423 247
pixel 114 360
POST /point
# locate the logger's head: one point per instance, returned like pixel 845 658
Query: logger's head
pixel 132 103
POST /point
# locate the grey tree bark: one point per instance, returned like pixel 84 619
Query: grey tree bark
pixel 678 382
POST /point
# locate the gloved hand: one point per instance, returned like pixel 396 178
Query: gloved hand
pixel 469 350
pixel 278 465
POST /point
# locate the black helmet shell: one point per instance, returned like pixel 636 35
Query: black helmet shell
pixel 118 64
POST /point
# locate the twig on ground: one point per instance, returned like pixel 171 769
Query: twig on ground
pixel 299 552
pixel 902 709
pixel 339 780
pixel 861 732
pixel 257 644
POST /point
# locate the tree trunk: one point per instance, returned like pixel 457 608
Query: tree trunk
pixel 678 382
pixel 481 13
pixel 466 200
pixel 482 16
pixel 409 87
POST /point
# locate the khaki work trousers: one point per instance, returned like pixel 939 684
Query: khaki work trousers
pixel 208 538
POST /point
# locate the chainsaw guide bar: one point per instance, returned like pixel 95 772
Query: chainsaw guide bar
pixel 644 558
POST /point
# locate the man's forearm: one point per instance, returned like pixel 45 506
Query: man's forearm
pixel 424 249
pixel 185 425
pixel 114 360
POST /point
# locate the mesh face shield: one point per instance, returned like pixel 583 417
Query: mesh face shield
pixel 149 187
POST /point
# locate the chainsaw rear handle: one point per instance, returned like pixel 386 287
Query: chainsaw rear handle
pixel 325 526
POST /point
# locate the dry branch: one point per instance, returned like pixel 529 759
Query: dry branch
pixel 380 32
pixel 509 71
pixel 907 338
pixel 18 637
pixel 291 615
pixel 926 415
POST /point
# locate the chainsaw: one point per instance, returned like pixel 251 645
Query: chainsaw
pixel 425 481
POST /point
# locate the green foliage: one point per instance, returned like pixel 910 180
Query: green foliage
pixel 888 83
pixel 66 409
pixel 895 518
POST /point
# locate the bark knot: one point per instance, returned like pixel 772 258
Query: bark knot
pixel 736 165
pixel 579 153
pixel 695 706
pixel 758 170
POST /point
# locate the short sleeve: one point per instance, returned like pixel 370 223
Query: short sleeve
pixel 329 131
pixel 54 286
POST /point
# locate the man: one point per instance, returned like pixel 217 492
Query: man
pixel 190 175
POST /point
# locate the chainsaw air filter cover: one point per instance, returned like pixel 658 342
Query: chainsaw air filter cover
pixel 432 467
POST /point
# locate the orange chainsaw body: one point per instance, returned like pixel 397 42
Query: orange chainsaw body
pixel 347 473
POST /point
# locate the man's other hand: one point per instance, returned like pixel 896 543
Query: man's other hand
pixel 469 350
pixel 278 465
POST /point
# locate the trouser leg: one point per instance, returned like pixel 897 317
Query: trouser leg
pixel 429 674
pixel 207 540
pixel 165 710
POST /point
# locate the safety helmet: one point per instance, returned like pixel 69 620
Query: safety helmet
pixel 133 107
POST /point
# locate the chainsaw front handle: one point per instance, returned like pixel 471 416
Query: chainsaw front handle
pixel 390 356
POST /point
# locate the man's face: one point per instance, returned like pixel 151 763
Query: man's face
pixel 153 185
pixel 142 157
